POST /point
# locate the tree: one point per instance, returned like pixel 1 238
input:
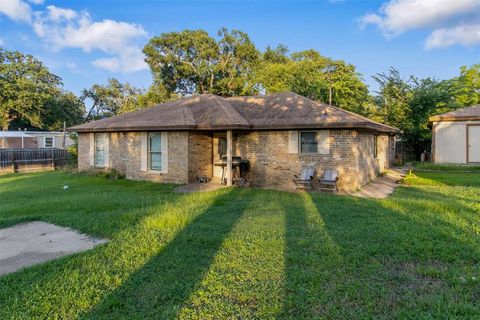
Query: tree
pixel 25 86
pixel 408 103
pixel 191 61
pixel 111 99
pixel 277 55
pixel 310 74
pixel 392 99
pixel 238 59
pixel 428 97
pixel 156 93
pixel 63 108
pixel 467 85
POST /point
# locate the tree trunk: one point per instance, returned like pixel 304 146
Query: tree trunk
pixel 330 93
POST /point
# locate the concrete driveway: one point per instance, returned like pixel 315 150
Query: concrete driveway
pixel 31 243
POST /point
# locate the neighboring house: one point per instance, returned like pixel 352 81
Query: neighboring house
pixel 33 139
pixel 278 134
pixel 456 136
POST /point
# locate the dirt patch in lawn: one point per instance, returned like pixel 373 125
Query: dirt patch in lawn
pixel 35 242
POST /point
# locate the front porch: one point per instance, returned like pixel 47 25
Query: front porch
pixel 212 160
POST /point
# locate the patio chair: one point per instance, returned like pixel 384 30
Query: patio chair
pixel 328 181
pixel 304 181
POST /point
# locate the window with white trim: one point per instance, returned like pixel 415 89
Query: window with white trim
pixel 155 151
pixel 48 142
pixel 100 150
pixel 308 142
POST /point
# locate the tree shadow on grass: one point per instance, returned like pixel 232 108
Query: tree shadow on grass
pixel 399 259
pixel 312 259
pixel 161 286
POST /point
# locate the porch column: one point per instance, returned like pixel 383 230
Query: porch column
pixel 229 157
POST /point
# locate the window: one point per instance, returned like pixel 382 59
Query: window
pixel 155 151
pixel 375 146
pixel 99 149
pixel 48 142
pixel 308 142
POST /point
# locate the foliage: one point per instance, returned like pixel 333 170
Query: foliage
pixel 156 93
pixel 117 98
pixel 392 100
pixel 73 150
pixel 468 85
pixel 408 103
pixel 65 107
pixel 246 253
pixel 26 85
pixel 111 99
pixel 312 75
pixel 191 61
pixel 111 174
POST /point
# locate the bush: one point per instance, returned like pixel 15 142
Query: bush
pixel 111 174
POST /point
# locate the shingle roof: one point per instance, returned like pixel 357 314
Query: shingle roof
pixel 278 111
pixel 290 111
pixel 469 113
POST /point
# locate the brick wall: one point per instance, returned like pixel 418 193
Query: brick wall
pixel 190 155
pixel 200 153
pixel 84 152
pixel 272 164
pixel 351 153
pixel 125 151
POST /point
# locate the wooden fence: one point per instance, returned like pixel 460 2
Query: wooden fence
pixel 35 159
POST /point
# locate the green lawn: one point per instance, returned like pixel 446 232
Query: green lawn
pixel 245 253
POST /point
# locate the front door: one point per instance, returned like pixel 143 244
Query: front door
pixel 473 136
pixel 219 150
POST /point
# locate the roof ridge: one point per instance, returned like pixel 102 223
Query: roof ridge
pixel 232 108
pixel 338 109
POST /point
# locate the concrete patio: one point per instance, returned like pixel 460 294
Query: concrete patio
pixel 31 243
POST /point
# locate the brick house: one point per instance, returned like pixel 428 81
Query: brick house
pixel 278 134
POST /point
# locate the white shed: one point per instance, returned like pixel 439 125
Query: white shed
pixel 456 136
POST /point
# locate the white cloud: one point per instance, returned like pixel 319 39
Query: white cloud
pixel 16 10
pixel 58 14
pixel 65 28
pixel 2 42
pixel 130 60
pixel 467 35
pixel 399 16
pixel 446 18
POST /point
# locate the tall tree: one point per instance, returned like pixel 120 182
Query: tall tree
pixel 393 98
pixel 310 74
pixel 64 108
pixel 25 86
pixel 467 85
pixel 191 61
pixel 111 99
pixel 428 97
pixel 407 103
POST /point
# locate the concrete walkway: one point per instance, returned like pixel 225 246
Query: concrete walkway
pixel 31 243
pixel 382 186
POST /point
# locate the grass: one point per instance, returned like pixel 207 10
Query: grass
pixel 245 253
pixel 428 166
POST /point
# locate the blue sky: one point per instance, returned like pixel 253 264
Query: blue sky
pixel 87 42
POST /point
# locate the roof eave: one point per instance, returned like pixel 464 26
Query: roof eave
pixel 159 128
pixel 366 126
pixel 453 118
